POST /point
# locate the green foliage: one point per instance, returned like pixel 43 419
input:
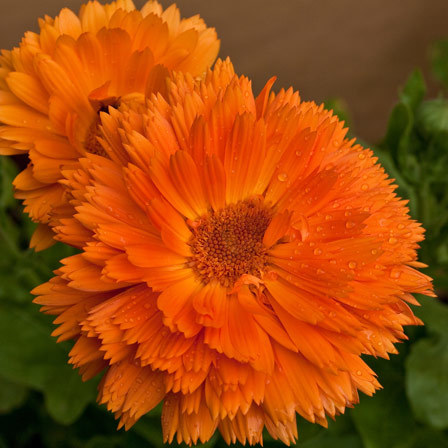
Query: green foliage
pixel 415 153
pixel 439 59
pixel 427 367
pixel 43 402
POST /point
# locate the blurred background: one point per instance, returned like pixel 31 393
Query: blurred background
pixel 356 50
pixel 357 56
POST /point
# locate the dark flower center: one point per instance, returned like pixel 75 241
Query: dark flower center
pixel 229 242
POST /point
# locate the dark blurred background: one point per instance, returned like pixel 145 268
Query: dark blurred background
pixel 359 51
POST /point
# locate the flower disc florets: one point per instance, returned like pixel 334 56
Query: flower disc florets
pixel 228 243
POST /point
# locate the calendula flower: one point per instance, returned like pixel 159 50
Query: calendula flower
pixel 239 257
pixel 54 85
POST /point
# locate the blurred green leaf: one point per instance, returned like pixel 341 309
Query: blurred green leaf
pixel 427 381
pixel 439 60
pixel 434 315
pixel 340 434
pixel 414 90
pixel 432 117
pixel 12 395
pixel 30 356
pixel 427 437
pixel 8 172
pixel 385 419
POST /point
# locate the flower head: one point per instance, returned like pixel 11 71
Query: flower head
pixel 53 87
pixel 239 255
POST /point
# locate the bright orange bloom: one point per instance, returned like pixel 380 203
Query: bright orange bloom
pixel 54 85
pixel 239 257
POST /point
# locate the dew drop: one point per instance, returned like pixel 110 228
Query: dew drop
pixel 317 251
pixel 350 224
pixel 336 143
pixel 352 264
pixel 400 226
pixel 373 251
pixel 358 372
pixel 395 273
pixel 328 217
pixel 393 240
pixel 361 156
pixel 364 187
pixel 282 177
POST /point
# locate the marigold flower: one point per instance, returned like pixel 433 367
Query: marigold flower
pixel 239 257
pixel 54 85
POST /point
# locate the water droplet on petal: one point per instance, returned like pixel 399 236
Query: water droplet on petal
pixel 282 177
pixel 352 264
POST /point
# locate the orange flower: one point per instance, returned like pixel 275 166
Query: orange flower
pixel 54 85
pixel 239 257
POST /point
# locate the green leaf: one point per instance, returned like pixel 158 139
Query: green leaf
pixel 434 315
pixel 8 172
pixel 414 90
pixel 400 122
pixel 439 60
pixel 31 357
pixel 385 420
pixel 12 395
pixel 432 117
pixel 67 396
pixel 340 434
pixel 427 437
pixel 427 381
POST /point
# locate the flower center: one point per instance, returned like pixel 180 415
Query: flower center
pixel 91 142
pixel 229 242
